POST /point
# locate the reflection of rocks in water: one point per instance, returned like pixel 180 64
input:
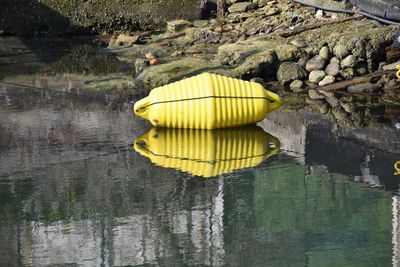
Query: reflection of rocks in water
pixel 207 153
pixel 350 110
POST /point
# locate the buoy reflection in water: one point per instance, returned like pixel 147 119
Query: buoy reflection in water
pixel 207 153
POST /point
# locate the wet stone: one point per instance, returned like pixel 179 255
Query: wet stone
pixel 335 59
pixel 349 62
pixel 332 69
pixel 316 63
pixel 324 52
pixel 316 76
pixel 327 80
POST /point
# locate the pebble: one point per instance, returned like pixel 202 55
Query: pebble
pixel 153 61
pixel 316 63
pixel 296 85
pixel 327 80
pixel 349 62
pixel 324 52
pixel 335 59
pixel 314 94
pixel 319 14
pixel 316 76
pixel 332 69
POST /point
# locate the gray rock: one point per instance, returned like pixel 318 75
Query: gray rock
pixel 316 76
pixel 349 62
pixel 289 71
pixel 341 50
pixel 316 63
pixel 296 86
pixel 362 88
pixel 332 101
pixel 324 52
pixel 314 94
pixel 327 80
pixel 332 69
pixel 241 7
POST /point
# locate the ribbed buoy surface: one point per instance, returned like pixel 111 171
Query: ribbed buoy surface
pixel 207 101
pixel 207 153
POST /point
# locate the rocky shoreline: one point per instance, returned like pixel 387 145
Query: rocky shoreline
pixel 290 48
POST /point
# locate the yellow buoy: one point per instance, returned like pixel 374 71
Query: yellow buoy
pixel 207 153
pixel 207 101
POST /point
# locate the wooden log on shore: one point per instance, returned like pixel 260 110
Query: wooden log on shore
pixel 363 79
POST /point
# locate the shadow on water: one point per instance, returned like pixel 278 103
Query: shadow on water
pixel 69 175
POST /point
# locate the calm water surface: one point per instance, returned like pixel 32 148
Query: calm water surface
pixel 85 183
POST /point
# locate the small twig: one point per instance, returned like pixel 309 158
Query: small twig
pixel 316 25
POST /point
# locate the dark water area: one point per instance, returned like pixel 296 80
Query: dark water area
pixel 297 190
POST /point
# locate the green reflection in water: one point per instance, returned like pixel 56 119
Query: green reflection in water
pixel 298 219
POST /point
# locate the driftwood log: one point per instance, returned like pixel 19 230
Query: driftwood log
pixel 364 79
